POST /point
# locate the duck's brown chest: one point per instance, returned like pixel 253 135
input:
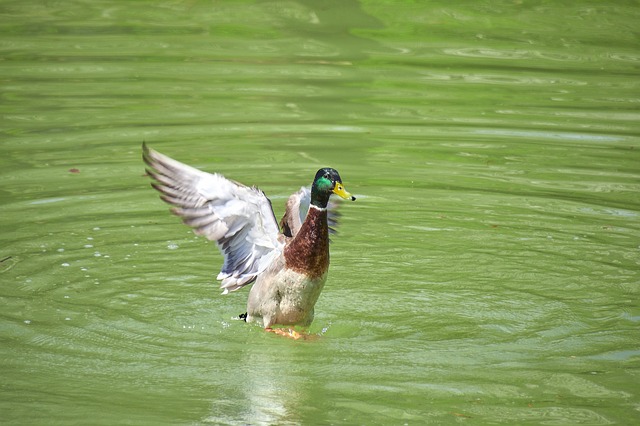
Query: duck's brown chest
pixel 308 252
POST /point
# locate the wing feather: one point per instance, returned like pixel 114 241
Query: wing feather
pixel 297 208
pixel 295 211
pixel 238 218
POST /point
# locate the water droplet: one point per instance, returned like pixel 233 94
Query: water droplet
pixel 65 264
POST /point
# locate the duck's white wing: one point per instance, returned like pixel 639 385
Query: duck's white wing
pixel 239 218
pixel 297 209
pixel 295 212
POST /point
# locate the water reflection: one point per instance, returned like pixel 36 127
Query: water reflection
pixel 269 384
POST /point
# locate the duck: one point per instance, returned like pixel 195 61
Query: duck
pixel 287 262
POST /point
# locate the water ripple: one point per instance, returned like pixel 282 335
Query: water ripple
pixel 550 135
pixel 487 52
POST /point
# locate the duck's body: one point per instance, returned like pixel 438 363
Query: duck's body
pixel 289 267
pixel 284 297
pixel 288 290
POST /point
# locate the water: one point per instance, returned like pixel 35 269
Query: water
pixel 487 273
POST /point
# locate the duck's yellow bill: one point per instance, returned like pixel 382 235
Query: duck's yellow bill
pixel 339 190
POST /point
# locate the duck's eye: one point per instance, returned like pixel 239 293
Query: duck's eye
pixel 326 176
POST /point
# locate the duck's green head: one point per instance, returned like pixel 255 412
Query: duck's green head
pixel 327 182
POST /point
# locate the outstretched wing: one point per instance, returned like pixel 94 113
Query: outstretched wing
pixel 295 212
pixel 239 218
pixel 297 209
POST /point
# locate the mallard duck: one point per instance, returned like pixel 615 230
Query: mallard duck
pixel 288 266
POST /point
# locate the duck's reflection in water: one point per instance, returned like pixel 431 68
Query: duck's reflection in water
pixel 269 386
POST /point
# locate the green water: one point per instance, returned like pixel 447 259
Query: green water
pixel 489 272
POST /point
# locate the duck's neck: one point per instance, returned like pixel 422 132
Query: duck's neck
pixel 308 252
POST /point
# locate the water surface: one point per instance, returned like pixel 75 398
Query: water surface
pixel 488 273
